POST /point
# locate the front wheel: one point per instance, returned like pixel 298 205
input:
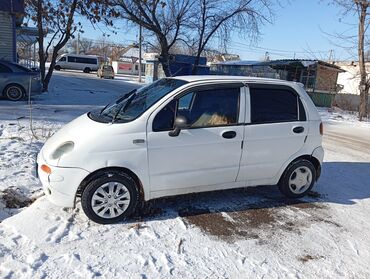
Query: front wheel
pixel 298 179
pixel 14 92
pixel 110 198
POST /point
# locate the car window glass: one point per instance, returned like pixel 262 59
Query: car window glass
pixel 62 59
pixel 4 69
pixel 209 108
pixel 185 102
pixel 274 105
pixel 164 120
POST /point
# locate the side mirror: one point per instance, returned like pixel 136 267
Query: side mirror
pixel 180 123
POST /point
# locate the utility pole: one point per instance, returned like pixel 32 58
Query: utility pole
pixel 140 48
pixel 78 43
pixel 331 55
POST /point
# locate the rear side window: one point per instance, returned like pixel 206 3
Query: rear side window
pixel 269 105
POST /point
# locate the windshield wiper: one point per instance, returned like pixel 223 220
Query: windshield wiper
pixel 120 99
pixel 104 109
pixel 123 108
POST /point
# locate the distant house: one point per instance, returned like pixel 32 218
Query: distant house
pixel 11 16
pixel 318 77
pixel 349 81
pixel 129 62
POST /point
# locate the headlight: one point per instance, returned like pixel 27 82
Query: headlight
pixel 62 149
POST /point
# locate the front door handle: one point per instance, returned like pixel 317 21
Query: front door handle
pixel 298 129
pixel 229 134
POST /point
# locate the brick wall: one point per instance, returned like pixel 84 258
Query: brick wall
pixel 326 79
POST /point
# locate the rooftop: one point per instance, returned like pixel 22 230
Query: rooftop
pixel 197 78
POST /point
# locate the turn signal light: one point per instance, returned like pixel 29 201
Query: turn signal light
pixel 321 129
pixel 46 169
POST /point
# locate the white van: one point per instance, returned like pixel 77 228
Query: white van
pixel 184 135
pixel 85 63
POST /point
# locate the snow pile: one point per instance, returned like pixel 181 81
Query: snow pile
pixel 338 115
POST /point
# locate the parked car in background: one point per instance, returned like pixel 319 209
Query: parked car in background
pixel 15 81
pixel 85 63
pixel 106 71
pixel 184 135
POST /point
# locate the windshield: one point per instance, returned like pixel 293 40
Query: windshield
pixel 136 102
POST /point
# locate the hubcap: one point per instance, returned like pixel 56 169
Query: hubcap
pixel 110 200
pixel 300 180
pixel 14 93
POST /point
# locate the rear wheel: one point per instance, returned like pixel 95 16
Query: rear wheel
pixel 14 92
pixel 87 70
pixel 298 179
pixel 110 198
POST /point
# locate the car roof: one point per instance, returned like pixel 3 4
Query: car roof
pixel 198 78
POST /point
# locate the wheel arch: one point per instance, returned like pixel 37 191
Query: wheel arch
pixel 310 158
pixel 101 171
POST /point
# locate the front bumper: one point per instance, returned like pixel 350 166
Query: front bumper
pixel 36 87
pixel 60 186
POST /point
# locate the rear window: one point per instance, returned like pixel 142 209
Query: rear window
pixel 269 105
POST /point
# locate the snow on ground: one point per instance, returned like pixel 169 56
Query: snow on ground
pixel 245 233
pixel 70 95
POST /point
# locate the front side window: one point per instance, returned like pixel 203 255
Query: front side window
pixel 132 105
pixel 269 105
pixel 201 108
pixel 63 59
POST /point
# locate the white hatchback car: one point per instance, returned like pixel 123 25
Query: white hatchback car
pixel 184 135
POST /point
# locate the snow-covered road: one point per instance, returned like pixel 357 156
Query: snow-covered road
pixel 247 233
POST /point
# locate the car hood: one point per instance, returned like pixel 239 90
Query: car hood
pixel 78 131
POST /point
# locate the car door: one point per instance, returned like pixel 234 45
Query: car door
pixel 276 129
pixel 208 151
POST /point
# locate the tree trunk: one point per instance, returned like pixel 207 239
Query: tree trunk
pixel 364 88
pixel 196 63
pixel 165 62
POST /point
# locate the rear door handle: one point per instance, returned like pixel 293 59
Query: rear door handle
pixel 298 129
pixel 229 134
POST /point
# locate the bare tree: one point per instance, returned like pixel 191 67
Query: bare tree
pixel 165 19
pixel 84 45
pixel 359 7
pixel 57 18
pixel 219 17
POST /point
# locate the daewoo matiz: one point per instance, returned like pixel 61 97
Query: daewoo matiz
pixel 183 135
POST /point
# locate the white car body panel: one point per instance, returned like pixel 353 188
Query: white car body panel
pixel 197 160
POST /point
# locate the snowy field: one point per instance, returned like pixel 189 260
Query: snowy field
pixel 247 233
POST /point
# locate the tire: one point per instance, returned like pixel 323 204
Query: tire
pixel 298 179
pixel 14 92
pixel 57 67
pixel 87 70
pixel 98 198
